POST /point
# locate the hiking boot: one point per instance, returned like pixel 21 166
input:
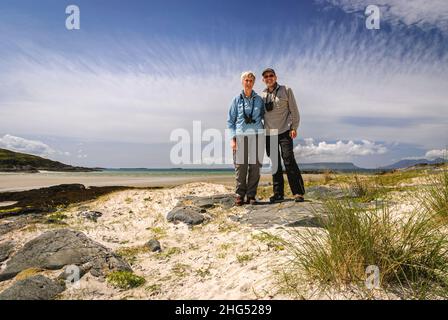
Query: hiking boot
pixel 276 198
pixel 251 200
pixel 239 201
pixel 298 198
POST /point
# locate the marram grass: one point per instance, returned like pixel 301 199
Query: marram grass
pixel 410 252
pixel 435 198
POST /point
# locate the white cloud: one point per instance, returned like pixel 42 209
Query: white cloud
pixel 422 13
pixel 35 147
pixel 436 153
pixel 338 151
pixel 430 155
pixel 19 144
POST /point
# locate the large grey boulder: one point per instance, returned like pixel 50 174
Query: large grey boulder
pixel 33 288
pixel 287 213
pixel 225 201
pixel 187 214
pixel 58 248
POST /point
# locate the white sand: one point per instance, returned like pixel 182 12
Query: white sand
pixel 203 264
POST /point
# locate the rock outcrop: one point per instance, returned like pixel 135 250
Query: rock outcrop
pixel 5 250
pixel 48 199
pixel 36 287
pixel 190 209
pixel 287 213
pixel 225 201
pixel 58 248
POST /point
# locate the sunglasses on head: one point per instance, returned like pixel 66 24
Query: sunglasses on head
pixel 269 76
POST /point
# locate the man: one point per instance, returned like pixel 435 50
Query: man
pixel 245 123
pixel 282 119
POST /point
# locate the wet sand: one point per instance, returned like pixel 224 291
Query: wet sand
pixel 27 181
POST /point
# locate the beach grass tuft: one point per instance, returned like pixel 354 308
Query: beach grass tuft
pixel 435 198
pixel 409 252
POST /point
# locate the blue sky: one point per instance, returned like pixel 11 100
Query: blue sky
pixel 111 93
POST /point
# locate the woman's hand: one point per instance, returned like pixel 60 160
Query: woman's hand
pixel 293 134
pixel 233 144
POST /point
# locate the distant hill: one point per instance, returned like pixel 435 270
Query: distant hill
pixel 11 161
pixel 412 162
pixel 333 166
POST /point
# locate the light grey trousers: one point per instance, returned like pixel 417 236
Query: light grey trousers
pixel 247 163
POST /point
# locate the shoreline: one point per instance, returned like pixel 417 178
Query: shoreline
pixel 10 182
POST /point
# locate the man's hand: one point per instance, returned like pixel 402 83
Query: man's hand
pixel 293 134
pixel 233 144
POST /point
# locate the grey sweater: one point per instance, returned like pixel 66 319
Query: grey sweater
pixel 285 114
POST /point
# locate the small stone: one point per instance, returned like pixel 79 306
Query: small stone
pixel 90 215
pixel 245 287
pixel 154 245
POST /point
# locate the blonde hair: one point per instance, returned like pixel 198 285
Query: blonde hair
pixel 246 74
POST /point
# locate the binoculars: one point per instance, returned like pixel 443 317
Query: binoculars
pixel 248 119
pixel 269 106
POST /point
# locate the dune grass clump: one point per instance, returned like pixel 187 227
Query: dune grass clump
pixel 327 176
pixel 366 189
pixel 125 280
pixel 435 199
pixel 410 253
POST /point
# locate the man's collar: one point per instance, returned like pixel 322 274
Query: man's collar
pixel 276 87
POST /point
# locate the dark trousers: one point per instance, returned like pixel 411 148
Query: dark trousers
pixel 295 179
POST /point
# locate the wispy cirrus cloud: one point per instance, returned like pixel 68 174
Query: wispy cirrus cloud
pixel 350 84
pixel 421 13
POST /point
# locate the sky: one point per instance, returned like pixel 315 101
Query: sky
pixel 111 93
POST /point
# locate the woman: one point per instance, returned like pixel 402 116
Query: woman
pixel 245 123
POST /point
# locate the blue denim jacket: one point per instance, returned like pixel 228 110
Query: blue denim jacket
pixel 235 120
